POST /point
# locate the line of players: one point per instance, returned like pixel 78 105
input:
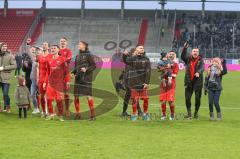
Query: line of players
pixel 137 77
pixel 54 80
pixel 54 76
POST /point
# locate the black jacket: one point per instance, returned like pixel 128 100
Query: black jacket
pixel 196 83
pixel 139 71
pixel 84 59
pixel 27 59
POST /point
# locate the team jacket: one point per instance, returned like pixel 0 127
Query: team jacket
pixel 139 71
pixel 84 59
pixel 197 82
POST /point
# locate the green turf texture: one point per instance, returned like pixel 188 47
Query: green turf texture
pixel 111 137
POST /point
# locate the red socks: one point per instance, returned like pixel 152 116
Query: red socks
pixel 77 104
pixel 164 109
pixel 67 101
pixel 172 108
pixel 50 106
pixel 134 106
pixel 90 105
pixel 145 105
pixel 43 103
pixel 60 107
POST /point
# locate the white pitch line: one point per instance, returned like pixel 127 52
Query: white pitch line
pixel 180 106
pixel 157 105
pixel 177 106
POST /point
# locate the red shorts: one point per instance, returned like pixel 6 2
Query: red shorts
pixel 52 93
pixel 140 94
pixel 167 94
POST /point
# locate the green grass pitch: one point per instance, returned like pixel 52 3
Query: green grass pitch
pixel 111 137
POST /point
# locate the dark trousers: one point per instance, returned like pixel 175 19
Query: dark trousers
pixel 213 98
pixel 126 101
pixel 24 112
pixel 28 83
pixel 188 95
pixel 5 90
pixel 17 71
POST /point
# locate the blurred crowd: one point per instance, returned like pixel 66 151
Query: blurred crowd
pixel 214 31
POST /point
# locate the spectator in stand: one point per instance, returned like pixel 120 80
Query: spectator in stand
pixel 218 28
pixel 162 31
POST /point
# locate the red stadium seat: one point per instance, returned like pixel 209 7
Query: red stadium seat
pixel 13 30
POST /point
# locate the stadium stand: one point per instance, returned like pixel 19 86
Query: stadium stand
pixel 13 30
pixel 100 27
pixel 37 32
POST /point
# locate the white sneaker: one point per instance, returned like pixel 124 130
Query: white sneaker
pixel 172 117
pixel 43 115
pixel 36 111
pixel 60 119
pixel 163 117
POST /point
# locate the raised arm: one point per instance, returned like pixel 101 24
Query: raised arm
pixel 224 66
pixel 130 60
pixel 206 81
pixel 184 55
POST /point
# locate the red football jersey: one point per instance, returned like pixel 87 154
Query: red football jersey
pixel 43 60
pixel 57 73
pixel 67 53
